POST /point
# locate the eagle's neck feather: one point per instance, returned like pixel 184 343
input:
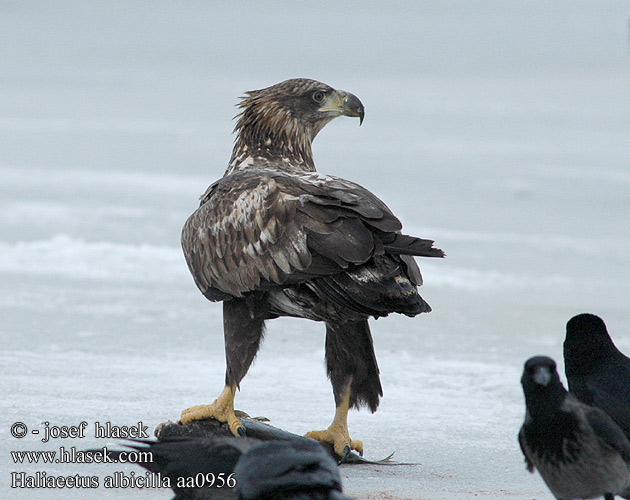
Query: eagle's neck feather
pixel 268 136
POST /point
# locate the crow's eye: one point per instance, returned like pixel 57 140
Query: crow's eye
pixel 318 96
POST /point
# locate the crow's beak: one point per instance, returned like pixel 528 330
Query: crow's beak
pixel 542 375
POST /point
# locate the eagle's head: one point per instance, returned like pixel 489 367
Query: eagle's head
pixel 278 123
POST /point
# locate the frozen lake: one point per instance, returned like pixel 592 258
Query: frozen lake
pixel 499 129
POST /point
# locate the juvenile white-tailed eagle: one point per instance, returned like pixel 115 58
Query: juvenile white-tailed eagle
pixel 275 238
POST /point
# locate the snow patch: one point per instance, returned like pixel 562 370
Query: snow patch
pixel 70 257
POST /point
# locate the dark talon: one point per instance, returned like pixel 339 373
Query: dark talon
pixel 346 454
pixel 241 431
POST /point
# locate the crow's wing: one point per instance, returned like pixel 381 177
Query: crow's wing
pixel 277 466
pixel 523 444
pixel 608 388
pixel 608 431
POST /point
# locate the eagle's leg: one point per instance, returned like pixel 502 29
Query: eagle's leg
pixel 243 326
pixel 337 432
pixel 222 409
pixel 354 375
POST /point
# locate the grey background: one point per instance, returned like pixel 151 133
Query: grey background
pixel 500 129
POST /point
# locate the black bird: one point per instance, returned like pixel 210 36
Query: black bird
pixel 281 470
pixel 241 469
pixel 598 373
pixel 577 449
pixel 184 460
pixel 273 237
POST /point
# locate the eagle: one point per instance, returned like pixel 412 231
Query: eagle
pixel 273 237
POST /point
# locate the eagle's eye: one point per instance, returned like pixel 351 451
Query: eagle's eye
pixel 318 96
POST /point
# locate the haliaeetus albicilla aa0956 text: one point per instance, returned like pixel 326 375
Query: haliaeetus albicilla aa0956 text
pixel 273 237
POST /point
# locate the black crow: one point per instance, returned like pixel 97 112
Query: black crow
pixel 190 464
pixel 220 468
pixel 281 470
pixel 597 372
pixel 578 450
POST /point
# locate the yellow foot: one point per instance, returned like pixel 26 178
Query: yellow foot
pixel 222 409
pixel 339 437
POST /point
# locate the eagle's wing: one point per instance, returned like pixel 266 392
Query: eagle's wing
pixel 260 228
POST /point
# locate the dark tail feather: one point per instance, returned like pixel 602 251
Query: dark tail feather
pixel 386 285
pixel 410 245
pixel 374 298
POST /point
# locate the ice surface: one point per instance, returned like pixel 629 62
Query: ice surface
pixel 499 129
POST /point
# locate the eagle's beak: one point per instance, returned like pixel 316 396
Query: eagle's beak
pixel 344 103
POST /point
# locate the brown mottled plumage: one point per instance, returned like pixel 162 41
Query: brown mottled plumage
pixel 275 238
